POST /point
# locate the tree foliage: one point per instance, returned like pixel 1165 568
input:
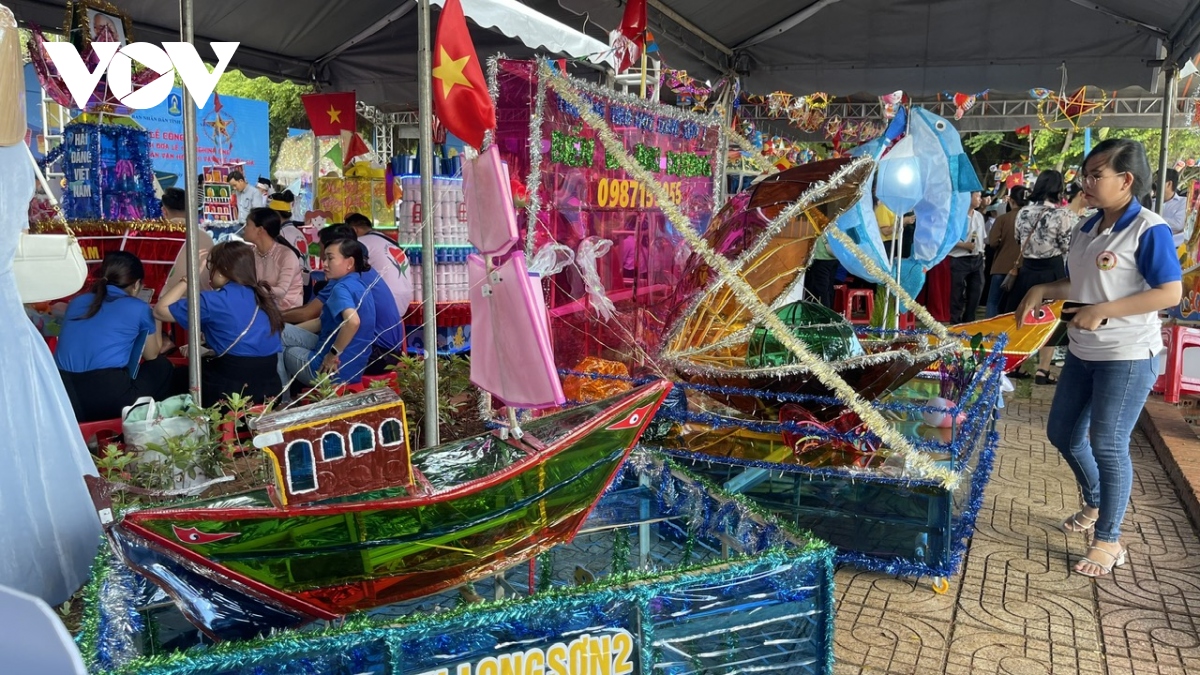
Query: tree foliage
pixel 284 108
pixel 1049 147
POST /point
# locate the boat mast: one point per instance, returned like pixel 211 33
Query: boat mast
pixel 428 251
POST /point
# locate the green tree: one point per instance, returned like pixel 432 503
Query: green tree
pixel 284 108
pixel 1050 147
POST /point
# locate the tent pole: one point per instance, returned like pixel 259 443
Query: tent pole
pixel 316 171
pixel 428 251
pixel 1169 92
pixel 191 170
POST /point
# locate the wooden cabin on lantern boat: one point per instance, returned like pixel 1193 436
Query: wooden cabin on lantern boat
pixel 339 447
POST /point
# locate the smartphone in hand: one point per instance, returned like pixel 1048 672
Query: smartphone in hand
pixel 1070 307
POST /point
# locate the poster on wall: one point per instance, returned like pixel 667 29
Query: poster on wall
pixel 232 130
pixel 585 198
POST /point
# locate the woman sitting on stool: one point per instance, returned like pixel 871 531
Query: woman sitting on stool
pixel 239 321
pixel 276 261
pixel 104 334
pixel 339 342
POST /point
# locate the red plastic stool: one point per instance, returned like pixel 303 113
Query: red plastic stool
pixel 860 305
pixel 1174 382
pixel 392 381
pixel 906 321
pixel 1160 385
pixel 839 298
pixel 102 431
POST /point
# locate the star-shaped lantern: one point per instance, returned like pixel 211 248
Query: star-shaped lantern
pixel 1080 110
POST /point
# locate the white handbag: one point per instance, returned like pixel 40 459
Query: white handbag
pixel 48 266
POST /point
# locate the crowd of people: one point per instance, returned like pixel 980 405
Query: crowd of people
pixel 268 323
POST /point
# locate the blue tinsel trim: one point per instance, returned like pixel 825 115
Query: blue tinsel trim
pixel 961 533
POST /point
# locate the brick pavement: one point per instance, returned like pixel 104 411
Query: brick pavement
pixel 1015 607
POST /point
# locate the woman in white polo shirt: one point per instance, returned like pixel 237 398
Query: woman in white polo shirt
pixel 1122 267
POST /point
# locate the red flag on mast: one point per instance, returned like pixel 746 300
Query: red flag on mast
pixel 460 94
pixel 632 30
pixel 330 114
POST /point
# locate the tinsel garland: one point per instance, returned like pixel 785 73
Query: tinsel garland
pixel 907 300
pixel 755 155
pixel 111 623
pixel 493 66
pixel 960 534
pixel 916 463
pixel 767 542
pixel 780 396
pixel 84 228
pixel 122 191
pixel 814 194
pixel 640 113
pixel 888 280
pixel 534 182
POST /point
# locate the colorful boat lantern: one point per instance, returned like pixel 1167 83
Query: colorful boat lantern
pixel 356 519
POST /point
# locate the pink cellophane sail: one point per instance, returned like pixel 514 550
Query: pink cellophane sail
pixel 510 335
pixel 491 221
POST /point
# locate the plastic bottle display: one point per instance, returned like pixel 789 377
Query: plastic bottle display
pixel 449 221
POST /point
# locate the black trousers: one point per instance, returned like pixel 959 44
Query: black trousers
pixel 253 376
pixel 100 394
pixel 966 287
pixel 819 280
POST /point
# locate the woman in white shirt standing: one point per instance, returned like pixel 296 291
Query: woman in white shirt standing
pixel 1044 231
pixel 1123 270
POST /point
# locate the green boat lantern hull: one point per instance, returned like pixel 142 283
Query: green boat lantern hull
pixel 475 506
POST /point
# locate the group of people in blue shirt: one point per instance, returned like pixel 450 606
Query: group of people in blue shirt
pixel 111 348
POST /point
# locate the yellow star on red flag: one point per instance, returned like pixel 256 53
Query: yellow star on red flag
pixel 462 103
pixel 450 71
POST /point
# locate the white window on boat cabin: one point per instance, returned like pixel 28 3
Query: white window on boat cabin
pixel 333 446
pixel 362 439
pixel 301 467
pixel 391 432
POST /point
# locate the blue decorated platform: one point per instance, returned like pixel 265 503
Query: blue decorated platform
pixel 668 575
pixel 870 506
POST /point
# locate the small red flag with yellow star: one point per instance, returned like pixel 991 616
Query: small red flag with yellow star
pixel 331 114
pixel 460 94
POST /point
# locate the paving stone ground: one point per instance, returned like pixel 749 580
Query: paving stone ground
pixel 1015 607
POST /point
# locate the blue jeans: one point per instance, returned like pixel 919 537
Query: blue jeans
pixel 995 294
pixel 1095 407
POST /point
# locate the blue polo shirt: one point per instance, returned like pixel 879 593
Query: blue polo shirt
pixel 224 314
pixel 347 293
pixel 106 340
pixel 389 328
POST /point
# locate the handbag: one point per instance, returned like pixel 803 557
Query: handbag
pixel 1010 279
pixel 48 266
